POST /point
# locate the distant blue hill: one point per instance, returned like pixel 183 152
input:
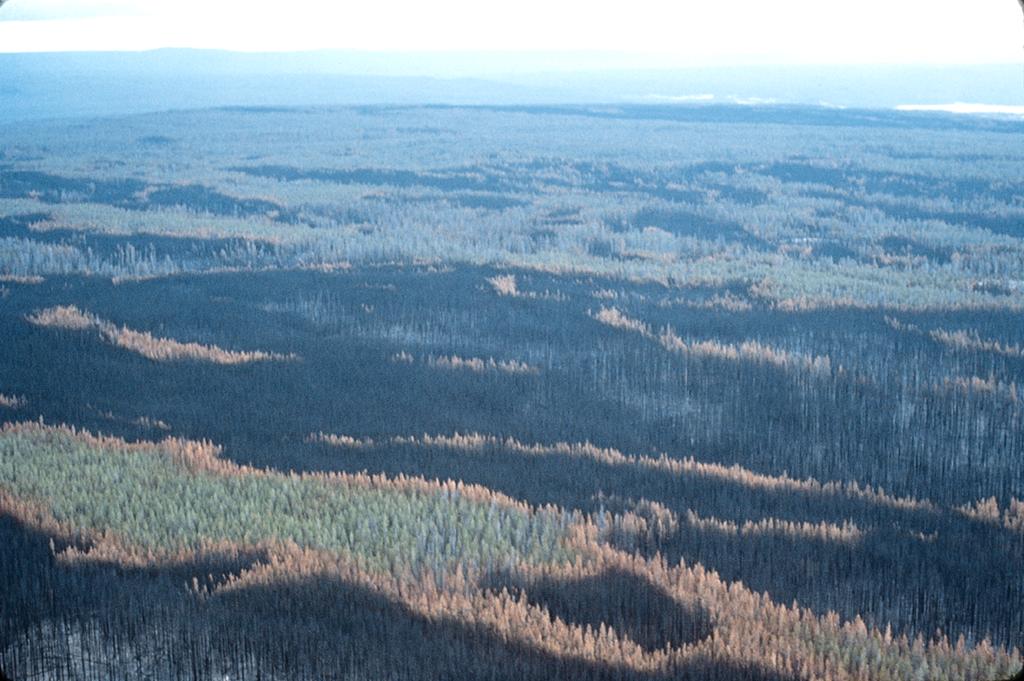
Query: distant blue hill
pixel 35 86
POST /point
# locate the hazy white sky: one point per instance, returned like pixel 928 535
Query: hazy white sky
pixel 679 32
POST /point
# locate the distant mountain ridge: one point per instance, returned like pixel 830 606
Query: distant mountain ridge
pixel 59 85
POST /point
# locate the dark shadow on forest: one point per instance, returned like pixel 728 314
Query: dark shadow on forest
pixel 404 640
pixel 298 627
pixel 627 603
pixel 186 253
pixel 349 384
pixel 132 194
pixel 681 222
pixel 38 587
pixel 449 180
pixel 910 551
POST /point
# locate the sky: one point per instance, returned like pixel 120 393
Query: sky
pixel 664 33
